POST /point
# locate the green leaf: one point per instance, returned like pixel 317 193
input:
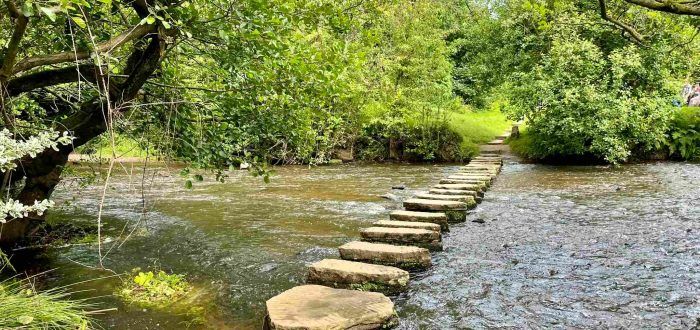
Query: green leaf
pixel 188 184
pixel 25 319
pixel 79 22
pixel 49 12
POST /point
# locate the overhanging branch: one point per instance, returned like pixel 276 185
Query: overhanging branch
pixel 636 36
pixel 35 61
pixel 683 7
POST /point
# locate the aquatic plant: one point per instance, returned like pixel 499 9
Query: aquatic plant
pixel 154 289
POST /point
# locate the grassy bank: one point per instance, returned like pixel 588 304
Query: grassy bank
pixel 478 127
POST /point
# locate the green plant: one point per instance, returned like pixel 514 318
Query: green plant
pixel 154 289
pixel 25 308
pixel 683 139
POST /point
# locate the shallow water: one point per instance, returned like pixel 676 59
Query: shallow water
pixel 562 247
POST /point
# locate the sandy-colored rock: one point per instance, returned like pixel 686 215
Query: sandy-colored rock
pixel 475 176
pixel 429 239
pixel 417 204
pixel 404 257
pixel 471 202
pixel 481 183
pixel 407 224
pixel 440 191
pixel 471 187
pixel 411 216
pixel 357 275
pixel 316 307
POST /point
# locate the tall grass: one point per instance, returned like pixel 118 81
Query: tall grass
pixel 23 307
pixel 478 127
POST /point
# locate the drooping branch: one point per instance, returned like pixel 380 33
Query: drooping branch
pixel 48 78
pixel 682 7
pixel 137 32
pixel 636 36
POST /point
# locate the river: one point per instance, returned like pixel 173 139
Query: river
pixel 560 247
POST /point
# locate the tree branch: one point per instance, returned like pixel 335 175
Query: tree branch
pixel 21 22
pixel 636 36
pixel 49 78
pixel 687 7
pixel 32 62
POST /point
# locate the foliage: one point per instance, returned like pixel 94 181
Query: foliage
pixel 684 136
pixel 585 89
pixel 25 308
pixel 154 289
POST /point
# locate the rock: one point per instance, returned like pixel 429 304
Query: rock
pixel 479 220
pixel 335 162
pixel 315 307
pixel 482 185
pixel 390 197
pixel 357 276
pixel 404 257
pixel 399 187
pixel 407 224
pixel 439 191
pixel 471 202
pixel 455 211
pixel 416 204
pixel 429 239
pixel 461 186
pixel 346 155
pixel 244 166
pixel 431 217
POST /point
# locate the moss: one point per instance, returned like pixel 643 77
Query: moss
pixel 153 289
pixel 456 216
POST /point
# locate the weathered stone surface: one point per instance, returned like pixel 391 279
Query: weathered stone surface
pixel 437 218
pixel 468 179
pixel 439 191
pixel 429 239
pixel 477 196
pixel 357 275
pixel 316 307
pixel 472 187
pixel 470 200
pixel 404 257
pixel 417 204
pixel 407 224
pixel 478 172
pixel 481 183
pixel 475 176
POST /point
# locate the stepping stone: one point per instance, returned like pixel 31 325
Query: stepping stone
pixel 469 179
pixel 474 194
pixel 495 142
pixel 461 186
pixel 430 217
pixel 478 171
pixel 404 257
pixel 357 276
pixel 481 183
pixel 470 200
pixel 428 239
pixel 455 211
pixel 407 224
pixel 316 307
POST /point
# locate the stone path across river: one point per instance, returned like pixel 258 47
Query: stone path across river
pixel 351 294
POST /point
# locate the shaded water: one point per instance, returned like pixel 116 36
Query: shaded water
pixel 590 247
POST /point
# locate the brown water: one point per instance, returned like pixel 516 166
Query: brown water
pixel 562 247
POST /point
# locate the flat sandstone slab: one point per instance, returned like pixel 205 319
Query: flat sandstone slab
pixel 404 257
pixel 481 183
pixel 412 216
pixel 357 275
pixel 441 191
pixel 460 186
pixel 407 224
pixel 416 204
pixel 471 202
pixel 316 307
pixel 428 239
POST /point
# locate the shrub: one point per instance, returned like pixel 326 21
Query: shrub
pixel 683 138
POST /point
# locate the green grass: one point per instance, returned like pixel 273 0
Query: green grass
pixel 22 307
pixel 478 127
pixel 124 146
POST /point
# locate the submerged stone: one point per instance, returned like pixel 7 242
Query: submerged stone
pixel 316 307
pixel 404 257
pixel 429 239
pixel 407 224
pixel 412 216
pixel 357 276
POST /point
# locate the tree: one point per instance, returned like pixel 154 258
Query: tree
pixel 58 73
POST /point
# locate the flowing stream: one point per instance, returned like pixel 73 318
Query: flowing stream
pixel 561 247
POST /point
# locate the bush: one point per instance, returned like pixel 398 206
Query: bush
pixel 684 135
